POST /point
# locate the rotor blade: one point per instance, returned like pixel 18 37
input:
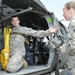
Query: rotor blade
pixel 21 12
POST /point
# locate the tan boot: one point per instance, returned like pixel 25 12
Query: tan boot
pixel 25 64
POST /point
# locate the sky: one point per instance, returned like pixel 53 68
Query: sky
pixel 55 6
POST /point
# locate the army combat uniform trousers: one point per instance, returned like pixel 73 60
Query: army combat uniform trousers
pixel 71 63
pixel 15 63
pixel 71 66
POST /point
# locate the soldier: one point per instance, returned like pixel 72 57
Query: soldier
pixel 69 14
pixel 17 47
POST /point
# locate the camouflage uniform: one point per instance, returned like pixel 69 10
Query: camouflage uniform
pixel 70 48
pixel 71 44
pixel 17 47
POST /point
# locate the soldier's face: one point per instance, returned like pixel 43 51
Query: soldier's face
pixel 67 13
pixel 15 21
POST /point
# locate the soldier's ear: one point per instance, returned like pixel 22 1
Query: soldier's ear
pixel 19 21
pixel 72 10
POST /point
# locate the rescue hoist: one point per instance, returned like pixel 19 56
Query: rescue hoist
pixel 4 56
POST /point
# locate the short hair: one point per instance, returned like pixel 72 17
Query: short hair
pixel 70 4
pixel 14 16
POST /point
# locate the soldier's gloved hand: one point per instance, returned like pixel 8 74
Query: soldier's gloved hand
pixel 53 29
